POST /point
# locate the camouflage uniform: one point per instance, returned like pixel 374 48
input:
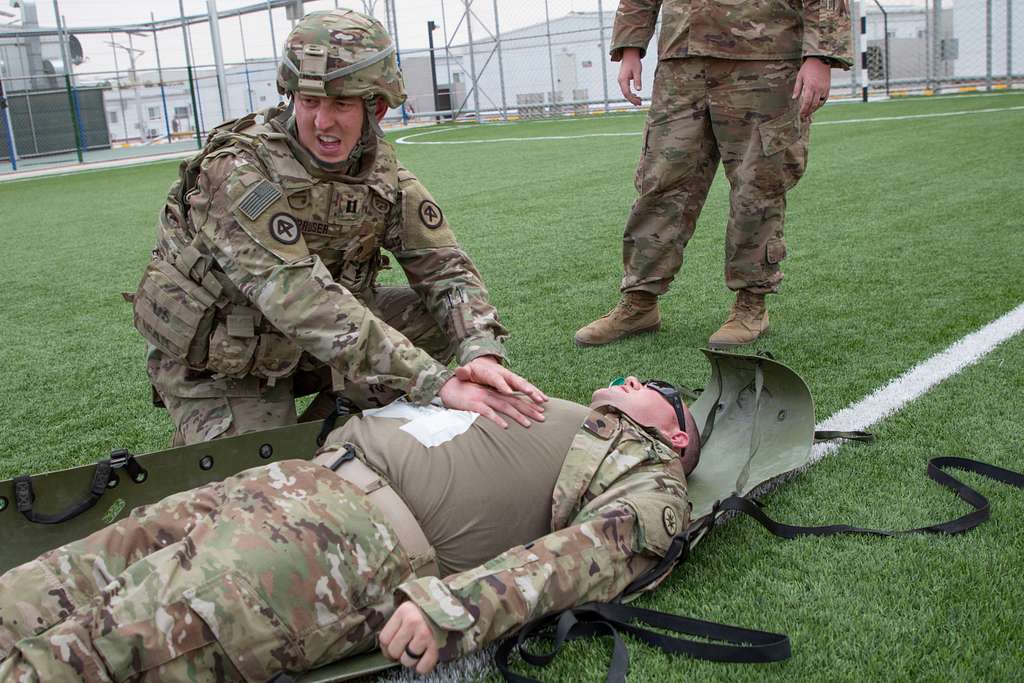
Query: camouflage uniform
pixel 262 282
pixel 287 567
pixel 722 91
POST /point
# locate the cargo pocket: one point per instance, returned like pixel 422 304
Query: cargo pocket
pixel 232 346
pixel 784 148
pixel 173 313
pixel 257 640
pixel 276 357
pixel 775 252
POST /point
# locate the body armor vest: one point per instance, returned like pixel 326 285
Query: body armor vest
pixel 188 308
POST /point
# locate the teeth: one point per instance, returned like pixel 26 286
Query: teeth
pixel 328 138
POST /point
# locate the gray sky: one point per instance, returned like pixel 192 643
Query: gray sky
pixel 412 19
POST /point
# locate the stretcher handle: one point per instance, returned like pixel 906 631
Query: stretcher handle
pixel 103 477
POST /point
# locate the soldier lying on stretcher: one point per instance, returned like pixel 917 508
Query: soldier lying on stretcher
pixel 425 531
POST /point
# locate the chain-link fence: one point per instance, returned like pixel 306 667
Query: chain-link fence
pixel 168 81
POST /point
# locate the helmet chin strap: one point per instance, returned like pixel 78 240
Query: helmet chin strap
pixel 370 106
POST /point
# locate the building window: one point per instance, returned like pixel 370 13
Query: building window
pixel 112 116
pixel 154 112
pixel 181 112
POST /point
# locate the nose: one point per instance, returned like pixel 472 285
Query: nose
pixel 633 383
pixel 323 117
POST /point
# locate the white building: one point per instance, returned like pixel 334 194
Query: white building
pixel 139 110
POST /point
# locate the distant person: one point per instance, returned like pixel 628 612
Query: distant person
pixel 736 82
pixel 263 280
pixel 436 549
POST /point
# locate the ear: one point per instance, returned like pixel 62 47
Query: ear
pixel 679 439
pixel 381 109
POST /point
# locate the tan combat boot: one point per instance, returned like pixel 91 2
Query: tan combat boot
pixel 635 313
pixel 747 321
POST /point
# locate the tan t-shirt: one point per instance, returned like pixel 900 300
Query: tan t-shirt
pixel 480 493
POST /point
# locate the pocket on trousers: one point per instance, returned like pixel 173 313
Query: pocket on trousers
pixel 256 639
pixel 776 250
pixel 781 132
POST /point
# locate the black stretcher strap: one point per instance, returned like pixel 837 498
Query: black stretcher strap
pixel 594 619
pixel 342 406
pixel 936 471
pixel 856 435
pixel 102 476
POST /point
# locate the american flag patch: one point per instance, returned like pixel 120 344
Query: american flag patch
pixel 258 199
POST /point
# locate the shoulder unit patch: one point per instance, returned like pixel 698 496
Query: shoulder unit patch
pixel 258 199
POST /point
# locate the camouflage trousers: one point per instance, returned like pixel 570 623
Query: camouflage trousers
pixel 704 110
pixel 205 408
pixel 285 567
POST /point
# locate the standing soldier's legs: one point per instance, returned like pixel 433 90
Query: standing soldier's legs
pixel 677 166
pixel 401 308
pixel 763 144
pixel 295 569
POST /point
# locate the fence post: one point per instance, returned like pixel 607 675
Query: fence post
pixel 72 100
pixel 1009 44
pixel 864 82
pixel 472 59
pixel 392 16
pixel 501 63
pixel 551 59
pixel 191 81
pixel 12 150
pixel 988 45
pixel 273 37
pixel 604 55
pixel 937 44
pixel 160 78
pixel 245 61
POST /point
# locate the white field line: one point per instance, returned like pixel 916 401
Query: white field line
pixel 409 139
pixel 890 398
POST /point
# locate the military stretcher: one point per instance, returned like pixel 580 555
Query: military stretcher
pixel 757 424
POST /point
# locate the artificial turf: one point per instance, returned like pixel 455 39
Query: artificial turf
pixel 905 235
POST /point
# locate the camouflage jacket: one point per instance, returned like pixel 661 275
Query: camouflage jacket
pixel 754 29
pixel 619 499
pixel 262 256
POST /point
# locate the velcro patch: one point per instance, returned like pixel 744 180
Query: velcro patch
pixel 258 199
pixel 601 425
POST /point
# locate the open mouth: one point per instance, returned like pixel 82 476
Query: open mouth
pixel 328 145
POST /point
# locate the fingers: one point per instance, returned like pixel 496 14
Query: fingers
pixel 492 374
pixel 519 409
pixel 522 385
pixel 490 414
pixel 807 103
pixel 799 85
pixel 630 80
pixel 406 638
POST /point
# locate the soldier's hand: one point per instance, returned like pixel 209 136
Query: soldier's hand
pixel 406 634
pixel 630 75
pixel 488 371
pixel 813 82
pixel 462 395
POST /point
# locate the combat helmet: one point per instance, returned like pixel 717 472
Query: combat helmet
pixel 341 53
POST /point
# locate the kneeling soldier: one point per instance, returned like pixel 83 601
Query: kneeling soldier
pixel 263 279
